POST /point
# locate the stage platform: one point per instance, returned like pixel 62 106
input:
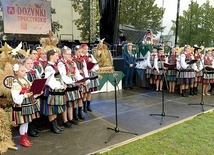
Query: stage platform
pixel 134 109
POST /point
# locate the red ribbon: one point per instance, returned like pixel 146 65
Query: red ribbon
pixel 79 59
pixel 73 68
pixel 32 72
pixel 161 57
pixel 188 55
pixel 85 57
pixel 55 67
pixel 36 63
pixel 24 90
pixel 197 57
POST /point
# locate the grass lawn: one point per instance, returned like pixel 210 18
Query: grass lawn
pixel 194 137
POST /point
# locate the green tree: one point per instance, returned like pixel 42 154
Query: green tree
pixel 196 25
pixel 83 23
pixel 139 13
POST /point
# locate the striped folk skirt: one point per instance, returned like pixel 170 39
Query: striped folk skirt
pixel 54 103
pixel 186 74
pixel 94 82
pixel 72 94
pixel 185 81
pixel 25 112
pixel 84 88
pixel 48 110
pixel 208 77
pixel 158 76
pixel 149 73
pixel 171 75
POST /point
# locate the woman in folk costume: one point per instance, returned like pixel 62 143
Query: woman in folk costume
pixel 33 54
pixel 172 71
pixel 150 68
pixel 56 99
pixel 94 82
pixel 159 69
pixel 198 66
pixel 70 75
pixel 25 108
pixel 208 77
pixel 31 74
pixel 186 73
pixel 82 67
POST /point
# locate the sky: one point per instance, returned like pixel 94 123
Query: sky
pixel 171 10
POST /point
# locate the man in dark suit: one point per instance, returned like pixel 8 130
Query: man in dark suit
pixel 129 66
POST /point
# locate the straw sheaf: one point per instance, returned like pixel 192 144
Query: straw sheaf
pixel 4 73
pixel 5 132
pixel 6 48
pixel 5 58
pixel 49 44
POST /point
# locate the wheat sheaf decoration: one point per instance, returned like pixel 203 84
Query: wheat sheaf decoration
pixel 5 133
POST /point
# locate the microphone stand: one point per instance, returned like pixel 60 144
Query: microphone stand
pixel 116 129
pixel 202 104
pixel 163 114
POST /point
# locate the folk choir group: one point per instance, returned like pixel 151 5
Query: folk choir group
pixel 67 91
pixel 186 70
pixel 69 83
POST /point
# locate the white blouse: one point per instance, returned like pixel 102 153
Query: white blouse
pixel 51 80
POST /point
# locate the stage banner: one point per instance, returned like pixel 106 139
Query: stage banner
pixel 26 16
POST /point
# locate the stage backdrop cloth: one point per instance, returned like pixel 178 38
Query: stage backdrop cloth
pixel 141 80
pixel 109 77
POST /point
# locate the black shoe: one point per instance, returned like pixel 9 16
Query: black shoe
pixel 191 92
pixel 57 126
pixel 195 90
pixel 84 107
pixel 74 121
pixel 80 115
pixel 89 108
pixel 131 87
pixel 67 125
pixel 186 92
pixel 183 93
pixel 75 114
pixel 54 128
pixel 37 130
pixel 32 133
